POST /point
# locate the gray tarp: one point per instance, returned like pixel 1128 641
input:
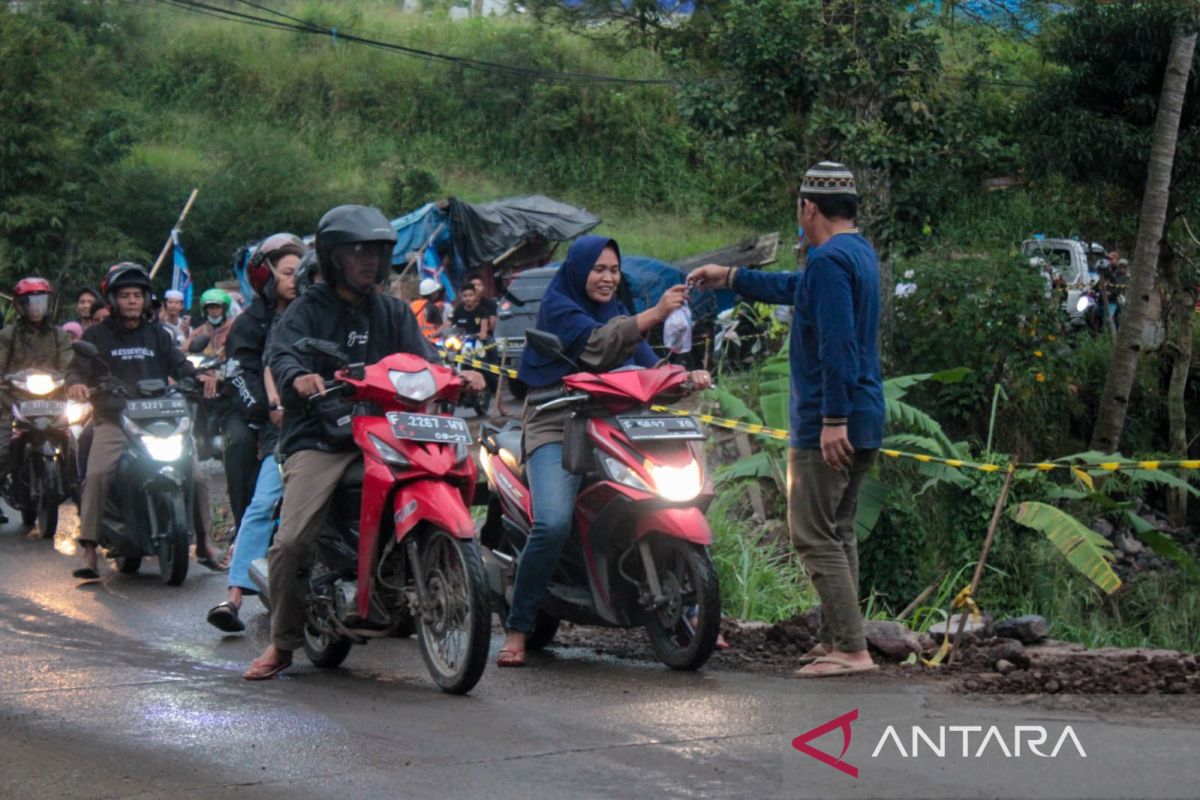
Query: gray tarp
pixel 484 232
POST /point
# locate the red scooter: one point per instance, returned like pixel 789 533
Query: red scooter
pixel 398 547
pixel 638 553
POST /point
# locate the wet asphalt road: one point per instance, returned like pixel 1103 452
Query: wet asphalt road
pixel 118 689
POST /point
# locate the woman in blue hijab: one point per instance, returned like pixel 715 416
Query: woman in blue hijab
pixel 599 334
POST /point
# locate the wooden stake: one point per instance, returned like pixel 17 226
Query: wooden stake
pixel 987 546
pixel 178 224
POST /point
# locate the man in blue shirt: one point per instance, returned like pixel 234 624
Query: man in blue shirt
pixel 837 406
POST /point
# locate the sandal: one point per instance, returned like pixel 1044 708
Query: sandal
pixel 86 574
pixel 262 670
pixel 844 668
pixel 224 617
pixel 511 658
pixel 212 563
pixel 818 650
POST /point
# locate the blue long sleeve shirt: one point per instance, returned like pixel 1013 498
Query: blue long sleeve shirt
pixel 835 325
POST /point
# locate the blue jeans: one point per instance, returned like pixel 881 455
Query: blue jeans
pixel 553 491
pixel 254 536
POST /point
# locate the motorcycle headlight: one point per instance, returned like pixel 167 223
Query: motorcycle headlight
pixel 415 386
pixel 453 343
pixel 163 448
pixel 1082 303
pixel 41 384
pixel 677 484
pixel 623 474
pixel 77 413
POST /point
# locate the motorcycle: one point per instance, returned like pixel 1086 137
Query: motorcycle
pixel 205 412
pixel 638 553
pixel 397 551
pixel 41 474
pixel 149 507
pixel 469 345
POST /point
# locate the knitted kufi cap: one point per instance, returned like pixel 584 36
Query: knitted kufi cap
pixel 828 177
pixel 173 294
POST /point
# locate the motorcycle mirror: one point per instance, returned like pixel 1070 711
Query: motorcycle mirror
pixel 198 344
pixel 311 347
pixel 85 349
pixel 151 386
pixel 544 344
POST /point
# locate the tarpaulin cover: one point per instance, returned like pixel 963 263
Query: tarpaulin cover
pixel 484 232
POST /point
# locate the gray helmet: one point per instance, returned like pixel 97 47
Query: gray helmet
pixel 306 273
pixel 363 226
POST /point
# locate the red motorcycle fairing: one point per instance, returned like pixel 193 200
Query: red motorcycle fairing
pixel 612 440
pixel 627 387
pixel 688 524
pixel 375 385
pixel 513 492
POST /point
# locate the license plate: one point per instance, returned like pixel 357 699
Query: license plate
pixel 429 428
pixel 158 408
pixel 647 428
pixel 41 408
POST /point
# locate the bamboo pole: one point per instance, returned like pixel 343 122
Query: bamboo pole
pixel 178 224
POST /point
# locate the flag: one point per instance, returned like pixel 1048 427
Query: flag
pixel 181 279
pixel 432 268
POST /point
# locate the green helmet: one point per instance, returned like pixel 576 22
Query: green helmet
pixel 216 297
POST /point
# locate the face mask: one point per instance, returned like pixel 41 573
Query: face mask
pixel 37 306
pixel 215 321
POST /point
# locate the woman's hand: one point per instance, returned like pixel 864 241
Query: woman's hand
pixel 672 299
pixel 473 380
pixel 700 379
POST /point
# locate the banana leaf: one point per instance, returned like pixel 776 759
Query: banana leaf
pixel 1085 550
pixel 872 499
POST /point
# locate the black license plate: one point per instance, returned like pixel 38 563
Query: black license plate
pixel 157 408
pixel 647 428
pixel 429 428
pixel 41 408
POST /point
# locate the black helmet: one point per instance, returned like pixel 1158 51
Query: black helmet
pixel 306 273
pixel 123 275
pixel 362 226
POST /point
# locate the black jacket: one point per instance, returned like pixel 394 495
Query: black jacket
pixel 377 327
pixel 146 352
pixel 246 347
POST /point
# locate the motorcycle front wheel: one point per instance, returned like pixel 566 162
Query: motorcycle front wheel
pixel 455 627
pixel 173 543
pixel 683 632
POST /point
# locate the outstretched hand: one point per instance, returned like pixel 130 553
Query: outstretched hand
pixel 710 276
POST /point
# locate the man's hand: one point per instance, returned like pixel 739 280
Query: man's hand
pixel 710 276
pixel 836 449
pixel 474 380
pixel 309 385
pixel 77 392
pixel 700 379
pixel 210 382
pixel 276 417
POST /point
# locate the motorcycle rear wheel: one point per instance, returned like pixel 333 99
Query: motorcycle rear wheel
pixel 689 583
pixel 173 546
pixel 324 650
pixel 454 642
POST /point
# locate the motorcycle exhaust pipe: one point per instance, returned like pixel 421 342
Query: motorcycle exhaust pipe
pixel 259 577
pixel 494 567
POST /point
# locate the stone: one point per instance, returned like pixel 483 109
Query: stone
pixel 1128 544
pixel 981 629
pixel 1004 666
pixel 892 639
pixel 1028 629
pixel 1103 527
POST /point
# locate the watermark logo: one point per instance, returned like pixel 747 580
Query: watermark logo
pixel 842 723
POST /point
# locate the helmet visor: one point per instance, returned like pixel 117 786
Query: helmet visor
pixel 37 305
pixel 362 264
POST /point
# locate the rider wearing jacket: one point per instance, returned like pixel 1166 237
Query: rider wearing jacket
pixel 272 274
pixel 354 248
pixel 134 347
pixel 30 343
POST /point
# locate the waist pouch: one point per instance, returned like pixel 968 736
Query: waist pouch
pixel 335 416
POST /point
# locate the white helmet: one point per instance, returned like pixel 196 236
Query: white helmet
pixel 428 287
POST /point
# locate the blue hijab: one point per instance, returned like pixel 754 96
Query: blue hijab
pixel 570 314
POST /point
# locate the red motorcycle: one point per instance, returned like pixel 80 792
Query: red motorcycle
pixel 398 550
pixel 638 552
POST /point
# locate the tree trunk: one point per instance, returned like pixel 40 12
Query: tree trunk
pixel 1180 310
pixel 1114 402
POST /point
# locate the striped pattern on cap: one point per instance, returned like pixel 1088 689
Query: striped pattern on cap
pixel 828 177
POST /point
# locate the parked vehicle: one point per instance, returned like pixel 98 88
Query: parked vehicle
pixel 517 311
pixel 41 456
pixel 638 553
pixel 150 505
pixel 1066 264
pixel 398 550
pixel 469 345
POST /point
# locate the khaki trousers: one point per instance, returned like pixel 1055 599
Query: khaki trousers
pixel 822 503
pixel 108 443
pixel 309 480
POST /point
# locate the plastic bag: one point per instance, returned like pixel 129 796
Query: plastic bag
pixel 677 330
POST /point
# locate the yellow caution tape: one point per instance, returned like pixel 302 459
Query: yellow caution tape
pixel 963 598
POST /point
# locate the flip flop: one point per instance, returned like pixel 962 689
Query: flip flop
pixel 86 574
pixel 845 668
pixel 224 617
pixel 812 655
pixel 212 563
pixel 261 670
pixel 511 658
